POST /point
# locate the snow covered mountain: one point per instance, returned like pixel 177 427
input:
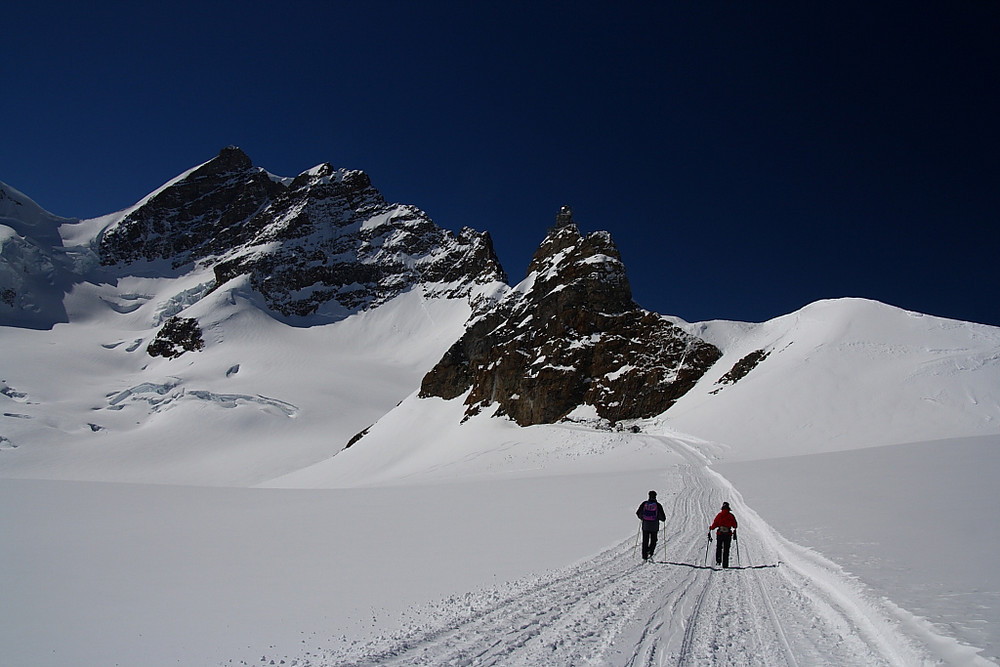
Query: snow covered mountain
pixel 843 374
pixel 204 505
pixel 226 252
pixel 316 248
pixel 324 246
pixel 36 270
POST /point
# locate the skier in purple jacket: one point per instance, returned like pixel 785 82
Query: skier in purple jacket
pixel 651 514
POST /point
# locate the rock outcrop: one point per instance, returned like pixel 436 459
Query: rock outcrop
pixel 741 369
pixel 177 336
pixel 570 335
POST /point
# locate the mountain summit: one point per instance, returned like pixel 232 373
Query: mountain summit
pixel 570 336
pixel 317 247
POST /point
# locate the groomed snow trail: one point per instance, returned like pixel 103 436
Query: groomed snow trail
pixel 782 606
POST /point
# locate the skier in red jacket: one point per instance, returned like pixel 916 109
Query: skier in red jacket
pixel 725 527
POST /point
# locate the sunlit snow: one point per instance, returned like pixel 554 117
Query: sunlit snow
pixel 203 510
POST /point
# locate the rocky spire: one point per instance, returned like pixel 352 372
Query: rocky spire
pixel 570 335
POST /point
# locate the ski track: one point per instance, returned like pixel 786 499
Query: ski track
pixel 613 610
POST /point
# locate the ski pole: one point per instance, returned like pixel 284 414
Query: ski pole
pixel 708 545
pixel 636 545
pixel 664 541
pixel 736 540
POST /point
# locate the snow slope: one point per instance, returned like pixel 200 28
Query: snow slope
pixel 262 398
pixel 907 519
pixel 845 374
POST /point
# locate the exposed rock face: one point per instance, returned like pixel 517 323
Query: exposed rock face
pixel 206 213
pixel 331 237
pixel 178 335
pixel 741 369
pixel 327 242
pixel 570 335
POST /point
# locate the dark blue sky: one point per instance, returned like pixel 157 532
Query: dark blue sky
pixel 748 158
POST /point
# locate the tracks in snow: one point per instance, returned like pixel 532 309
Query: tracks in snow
pixel 612 610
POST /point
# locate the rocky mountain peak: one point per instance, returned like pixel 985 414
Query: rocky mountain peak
pixel 592 265
pixel 567 336
pixel 326 174
pixel 230 159
pixel 201 215
pixel 322 245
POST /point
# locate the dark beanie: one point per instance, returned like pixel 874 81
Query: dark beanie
pixel 652 494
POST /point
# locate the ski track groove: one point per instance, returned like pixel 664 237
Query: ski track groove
pixel 689 630
pixel 776 622
pixel 612 610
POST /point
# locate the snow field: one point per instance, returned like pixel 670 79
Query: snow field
pixel 611 609
pixel 256 404
pixel 435 569
pixel 140 574
pixel 906 519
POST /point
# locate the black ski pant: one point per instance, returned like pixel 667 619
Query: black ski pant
pixel 722 543
pixel 648 543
